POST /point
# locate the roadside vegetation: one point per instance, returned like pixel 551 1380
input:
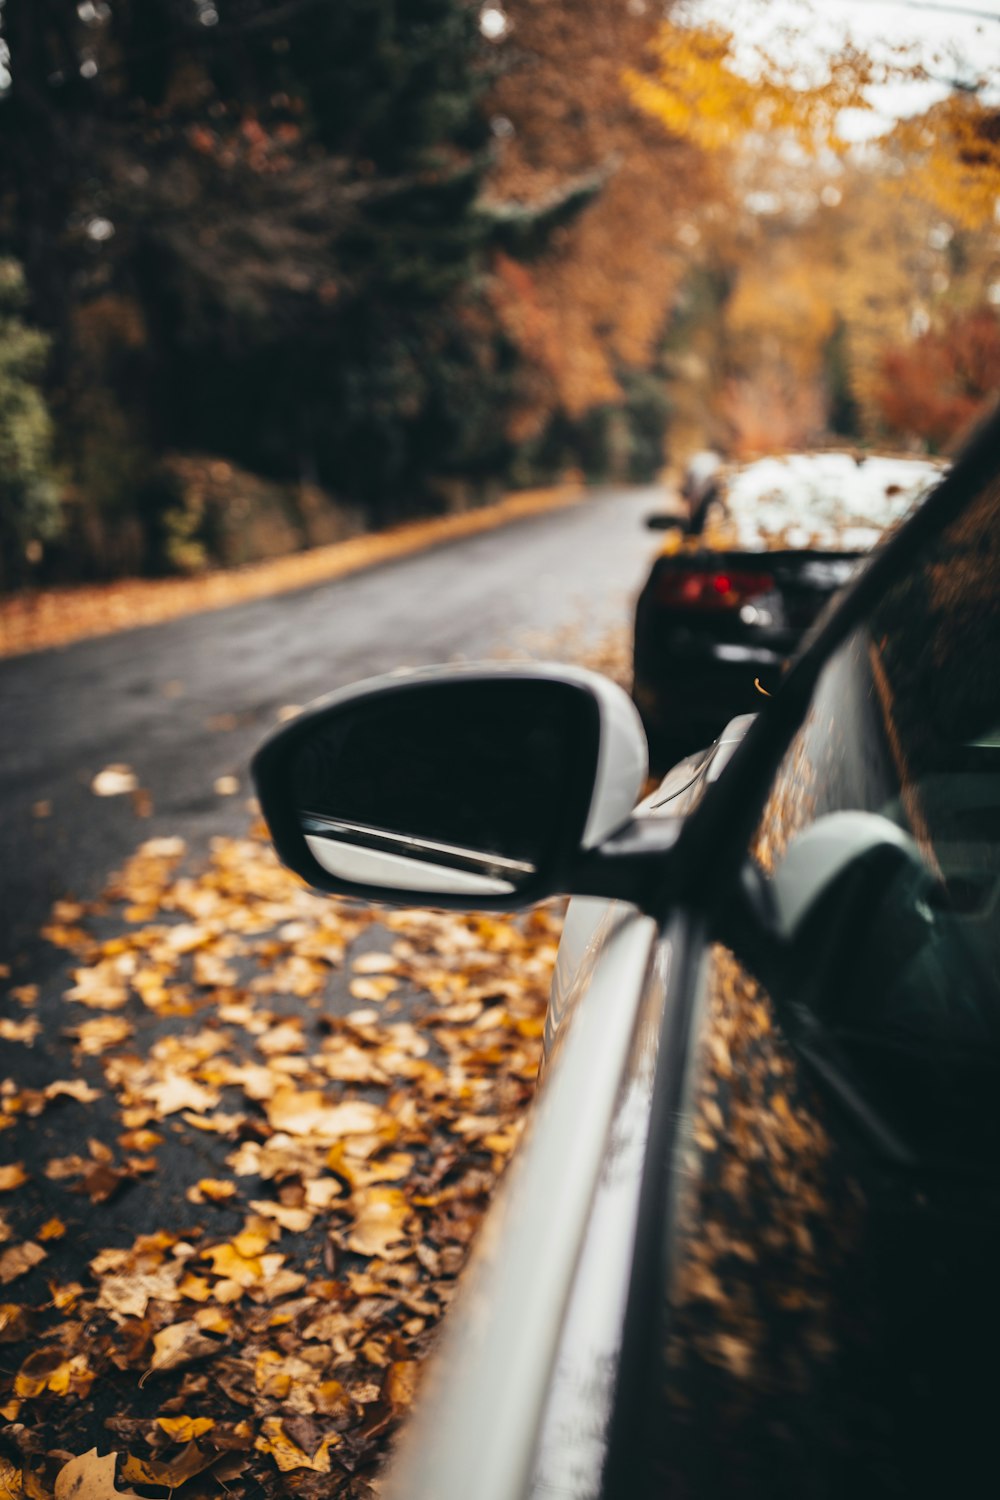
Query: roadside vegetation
pixel 297 271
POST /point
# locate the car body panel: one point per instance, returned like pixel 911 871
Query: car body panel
pixel 488 1384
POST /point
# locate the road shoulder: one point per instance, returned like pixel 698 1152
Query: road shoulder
pixel 42 619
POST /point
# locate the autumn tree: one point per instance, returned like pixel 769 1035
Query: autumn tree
pixel 589 313
pixel 934 387
pixel 828 257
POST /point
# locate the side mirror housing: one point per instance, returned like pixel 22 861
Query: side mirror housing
pixel 460 787
pixel 839 846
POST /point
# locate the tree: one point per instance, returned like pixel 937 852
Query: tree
pixel 284 207
pixel 934 387
pixel 28 495
pixel 589 313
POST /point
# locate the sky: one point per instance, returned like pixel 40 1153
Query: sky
pixel 952 39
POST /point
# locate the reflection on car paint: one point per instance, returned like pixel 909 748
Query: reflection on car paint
pixel 573 1434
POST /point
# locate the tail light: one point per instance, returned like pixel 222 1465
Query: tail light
pixel 706 589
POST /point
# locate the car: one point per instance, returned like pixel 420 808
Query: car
pixel 748 1245
pixel 744 572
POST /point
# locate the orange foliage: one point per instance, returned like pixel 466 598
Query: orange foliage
pixel 771 414
pixel 936 386
pixel 598 299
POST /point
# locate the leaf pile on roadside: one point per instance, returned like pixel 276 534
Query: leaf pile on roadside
pixel 284 1117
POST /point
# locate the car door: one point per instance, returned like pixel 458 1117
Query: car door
pixel 813 1308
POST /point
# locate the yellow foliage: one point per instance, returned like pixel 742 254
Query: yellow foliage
pixel 696 92
pixel 956 147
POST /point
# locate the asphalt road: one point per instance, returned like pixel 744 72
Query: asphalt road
pixel 187 702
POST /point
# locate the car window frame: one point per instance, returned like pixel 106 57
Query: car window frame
pixel 710 849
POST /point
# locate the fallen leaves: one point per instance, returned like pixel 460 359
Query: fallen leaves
pixel 309 1113
pixel 379 1218
pixel 90 1477
pixel 46 1370
pixel 19 1260
pixel 334 1094
pixel 114 781
pixel 181 1344
pixel 185 1429
pixel 287 1454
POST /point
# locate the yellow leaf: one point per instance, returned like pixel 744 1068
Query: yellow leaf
pixel 288 1455
pixel 375 963
pixel 254 1241
pixel 213 1320
pixel 20 1031
pixel 12 1177
pixel 10 1479
pixel 185 1429
pixel 195 1288
pixel 308 1112
pixel 376 988
pixel 228 1263
pixel 379 1217
pixel 211 1190
pixel 270 1377
pixel 52 1229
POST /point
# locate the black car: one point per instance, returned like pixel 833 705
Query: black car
pixel 762 548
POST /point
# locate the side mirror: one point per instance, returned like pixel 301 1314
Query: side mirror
pixel 462 786
pixel 659 521
pixel 842 846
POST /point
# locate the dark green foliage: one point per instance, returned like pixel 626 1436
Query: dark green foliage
pixel 844 414
pixel 28 495
pixel 265 239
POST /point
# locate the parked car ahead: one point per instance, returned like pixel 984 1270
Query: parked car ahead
pixel 749 1244
pixel 764 547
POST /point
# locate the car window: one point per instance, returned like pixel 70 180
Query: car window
pixel 828 1302
pixel 902 960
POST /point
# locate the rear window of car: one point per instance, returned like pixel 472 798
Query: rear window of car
pixel 818 501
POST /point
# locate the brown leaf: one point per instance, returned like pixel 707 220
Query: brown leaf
pixel 181 1344
pixel 169 1475
pixel 12 1177
pixel 19 1259
pixel 401 1380
pixel 90 1477
pixel 16 1322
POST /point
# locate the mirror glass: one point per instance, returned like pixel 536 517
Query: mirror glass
pixel 461 788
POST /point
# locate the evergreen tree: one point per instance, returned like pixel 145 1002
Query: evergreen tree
pixel 28 497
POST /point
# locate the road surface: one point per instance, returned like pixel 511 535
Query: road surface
pixel 186 703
